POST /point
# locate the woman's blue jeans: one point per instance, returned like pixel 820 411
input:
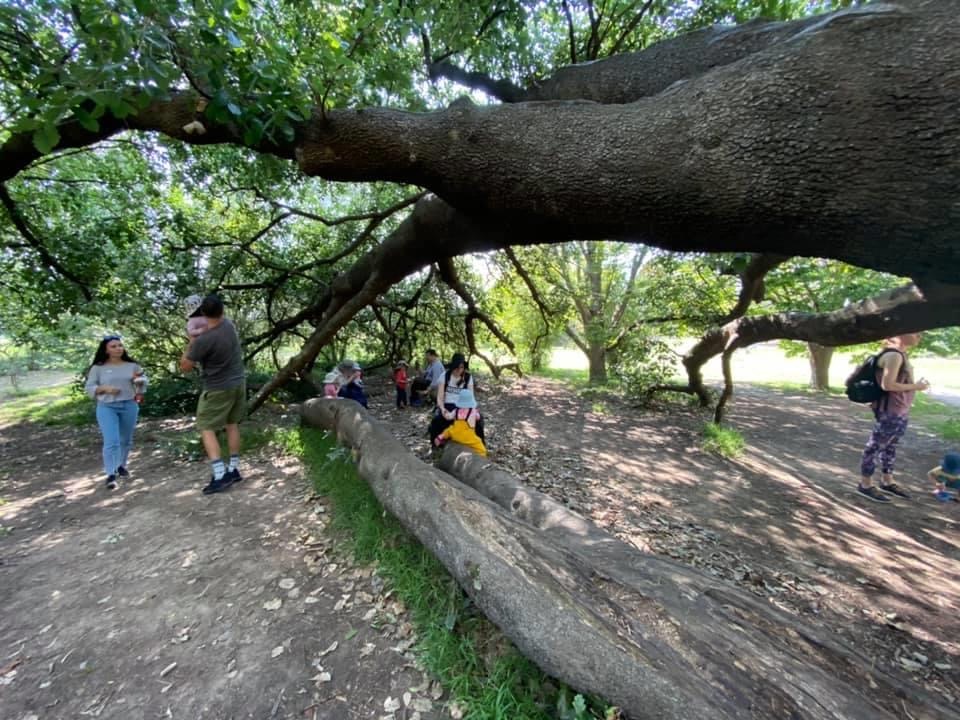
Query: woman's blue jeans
pixel 116 421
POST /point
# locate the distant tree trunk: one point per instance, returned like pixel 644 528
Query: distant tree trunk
pixel 819 357
pixel 597 357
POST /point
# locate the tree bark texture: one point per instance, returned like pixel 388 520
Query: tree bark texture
pixel 820 357
pixel 660 640
pixel 834 137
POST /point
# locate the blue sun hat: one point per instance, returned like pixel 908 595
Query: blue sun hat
pixel 951 463
pixel 466 400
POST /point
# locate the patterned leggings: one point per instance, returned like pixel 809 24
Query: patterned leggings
pixel 883 442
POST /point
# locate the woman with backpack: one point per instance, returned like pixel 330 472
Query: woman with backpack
pixel 456 378
pixel 892 412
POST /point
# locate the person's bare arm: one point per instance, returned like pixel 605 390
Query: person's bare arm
pixel 186 364
pixel 891 364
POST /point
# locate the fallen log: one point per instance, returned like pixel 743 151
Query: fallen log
pixel 660 640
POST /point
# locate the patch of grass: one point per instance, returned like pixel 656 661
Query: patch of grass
pixel 58 405
pixel 938 417
pixel 482 671
pixel 722 440
pixel 599 407
pixel 796 387
pixel 578 378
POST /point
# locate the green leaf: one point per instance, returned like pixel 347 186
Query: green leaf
pixel 86 120
pixel 234 109
pixel 254 133
pixel 46 138
pixel 234 41
pixel 120 108
pixel 350 634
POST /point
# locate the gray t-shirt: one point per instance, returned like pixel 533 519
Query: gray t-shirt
pixel 434 373
pixel 220 357
pixel 118 375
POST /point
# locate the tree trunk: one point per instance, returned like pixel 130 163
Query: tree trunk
pixel 660 640
pixel 597 357
pixel 820 357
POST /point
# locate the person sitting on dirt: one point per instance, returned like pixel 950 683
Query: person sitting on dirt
pixel 331 384
pixel 429 380
pixel 454 381
pixel 352 387
pixel 465 420
pixel 946 475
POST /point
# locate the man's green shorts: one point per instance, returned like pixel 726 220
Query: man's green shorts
pixel 218 408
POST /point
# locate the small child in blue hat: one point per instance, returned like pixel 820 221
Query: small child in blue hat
pixel 946 475
pixel 463 429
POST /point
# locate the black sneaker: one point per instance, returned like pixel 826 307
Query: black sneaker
pixel 871 493
pixel 122 472
pixel 895 489
pixel 233 476
pixel 216 486
pixel 111 483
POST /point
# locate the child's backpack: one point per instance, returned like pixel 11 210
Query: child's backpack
pixel 862 385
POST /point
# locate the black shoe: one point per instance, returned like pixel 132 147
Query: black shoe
pixel 122 472
pixel 871 493
pixel 111 483
pixel 233 476
pixel 216 486
pixel 895 489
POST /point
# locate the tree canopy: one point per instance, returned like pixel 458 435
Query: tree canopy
pixel 721 126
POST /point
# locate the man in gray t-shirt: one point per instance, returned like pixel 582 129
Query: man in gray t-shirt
pixel 223 401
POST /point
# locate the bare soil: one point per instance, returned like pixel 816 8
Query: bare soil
pixel 158 602
pixel 155 601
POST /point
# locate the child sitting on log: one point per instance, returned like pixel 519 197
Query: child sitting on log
pixel 463 429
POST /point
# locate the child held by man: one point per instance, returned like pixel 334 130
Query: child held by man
pixel 196 322
pixel 463 429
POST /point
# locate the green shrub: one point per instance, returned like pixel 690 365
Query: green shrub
pixel 642 362
pixel 171 396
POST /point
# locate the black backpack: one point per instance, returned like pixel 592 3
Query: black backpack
pixel 862 385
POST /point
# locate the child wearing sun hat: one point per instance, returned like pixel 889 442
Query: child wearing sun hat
pixel 196 322
pixel 463 429
pixel 331 384
pixel 944 475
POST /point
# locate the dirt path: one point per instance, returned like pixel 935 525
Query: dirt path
pixel 158 602
pixel 103 593
pixel 783 521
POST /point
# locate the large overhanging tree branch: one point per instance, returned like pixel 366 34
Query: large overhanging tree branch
pixel 830 140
